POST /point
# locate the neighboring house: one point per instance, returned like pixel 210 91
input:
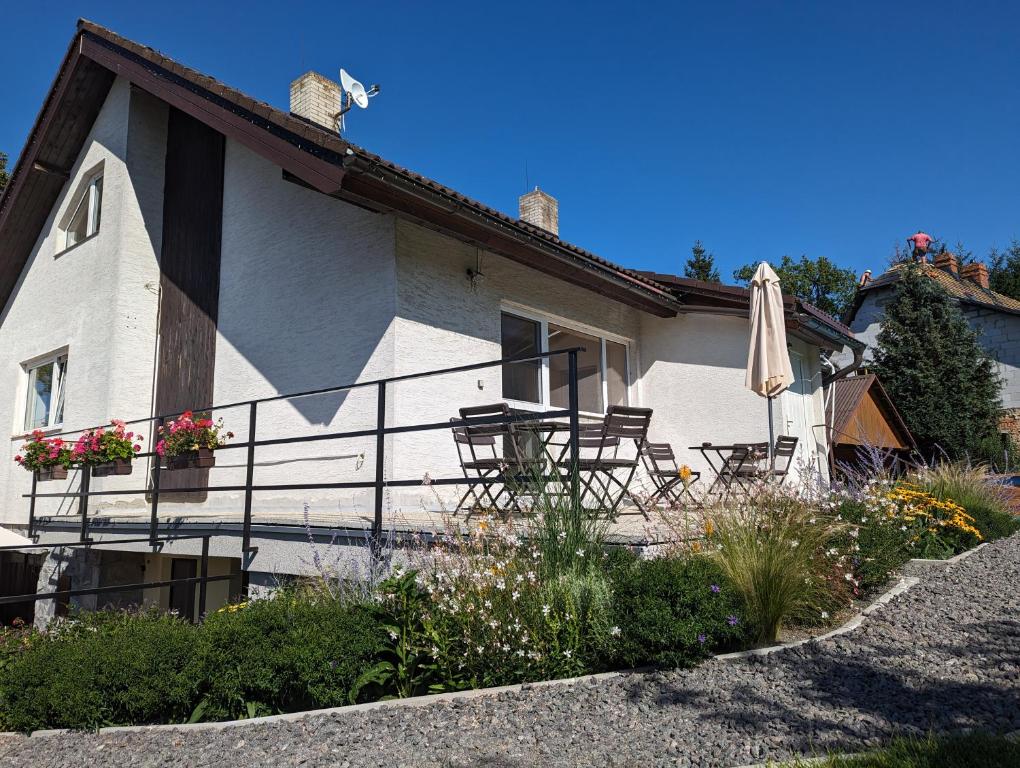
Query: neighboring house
pixel 866 424
pixel 995 317
pixel 167 242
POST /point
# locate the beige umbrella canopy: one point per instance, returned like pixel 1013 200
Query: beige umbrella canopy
pixel 768 361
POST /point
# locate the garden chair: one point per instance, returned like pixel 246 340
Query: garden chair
pixel 782 456
pixel 605 477
pixel 664 471
pixel 492 455
pixel 741 467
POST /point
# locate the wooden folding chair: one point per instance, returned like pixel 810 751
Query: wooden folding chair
pixel 600 475
pixel 664 471
pixel 782 456
pixel 491 455
pixel 742 467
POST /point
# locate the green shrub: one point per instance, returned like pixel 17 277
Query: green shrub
pixel 882 545
pixel 104 668
pixel 673 611
pixel 285 654
pixel 773 550
pixel 974 490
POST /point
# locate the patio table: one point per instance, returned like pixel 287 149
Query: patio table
pixel 723 453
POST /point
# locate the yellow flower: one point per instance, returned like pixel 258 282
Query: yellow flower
pixel 685 474
pixel 709 529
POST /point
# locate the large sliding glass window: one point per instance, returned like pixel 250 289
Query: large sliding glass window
pixel 602 374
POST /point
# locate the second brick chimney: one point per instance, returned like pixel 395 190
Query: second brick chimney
pixel 317 98
pixel 976 272
pixel 948 262
pixel 540 210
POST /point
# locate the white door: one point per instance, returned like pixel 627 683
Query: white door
pixel 797 411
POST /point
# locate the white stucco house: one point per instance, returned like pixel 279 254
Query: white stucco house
pixel 167 243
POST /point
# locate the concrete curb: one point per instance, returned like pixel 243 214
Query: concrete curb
pixel 899 588
pixel 416 701
pixel 949 561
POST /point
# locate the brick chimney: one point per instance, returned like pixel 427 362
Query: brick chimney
pixel 540 210
pixel 316 98
pixel 948 262
pixel 976 272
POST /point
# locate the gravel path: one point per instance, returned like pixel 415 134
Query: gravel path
pixel 946 655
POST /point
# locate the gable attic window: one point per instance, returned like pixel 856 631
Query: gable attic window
pixel 46 379
pixel 602 375
pixel 82 219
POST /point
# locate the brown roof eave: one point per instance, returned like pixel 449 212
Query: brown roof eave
pixel 368 181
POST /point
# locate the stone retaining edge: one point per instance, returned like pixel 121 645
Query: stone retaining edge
pixel 899 588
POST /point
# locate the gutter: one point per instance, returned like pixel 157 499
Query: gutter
pixel 828 332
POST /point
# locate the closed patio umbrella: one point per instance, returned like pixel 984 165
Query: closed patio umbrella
pixel 768 361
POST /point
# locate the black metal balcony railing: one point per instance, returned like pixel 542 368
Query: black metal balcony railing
pixel 151 492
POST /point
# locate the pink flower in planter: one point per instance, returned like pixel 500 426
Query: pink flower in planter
pixel 161 447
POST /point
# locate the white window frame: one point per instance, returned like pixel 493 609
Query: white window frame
pixel 57 396
pixel 88 193
pixel 544 319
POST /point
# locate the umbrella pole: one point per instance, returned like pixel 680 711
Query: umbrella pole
pixel 772 434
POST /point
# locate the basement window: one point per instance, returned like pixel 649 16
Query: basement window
pixel 46 379
pixel 83 221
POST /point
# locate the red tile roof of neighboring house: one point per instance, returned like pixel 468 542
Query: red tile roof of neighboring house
pixel 956 286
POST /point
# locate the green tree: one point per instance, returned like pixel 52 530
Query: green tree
pixel 701 265
pixel 1004 272
pixel 819 281
pixel 943 383
pixel 3 171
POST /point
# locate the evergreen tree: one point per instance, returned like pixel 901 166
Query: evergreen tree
pixel 819 281
pixel 3 171
pixel 701 265
pixel 943 384
pixel 1004 272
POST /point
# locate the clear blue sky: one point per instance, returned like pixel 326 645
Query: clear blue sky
pixel 760 128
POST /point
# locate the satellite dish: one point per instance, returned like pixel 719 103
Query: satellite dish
pixel 354 89
pixel 354 93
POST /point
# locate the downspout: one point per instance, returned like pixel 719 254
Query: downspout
pixel 829 402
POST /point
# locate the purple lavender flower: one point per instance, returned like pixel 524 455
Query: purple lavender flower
pixel 702 639
pixel 732 621
pixel 715 588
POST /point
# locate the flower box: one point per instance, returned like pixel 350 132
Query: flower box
pixel 189 441
pixel 51 473
pixel 115 467
pixel 199 459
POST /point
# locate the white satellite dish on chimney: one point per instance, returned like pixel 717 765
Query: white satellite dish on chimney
pixel 354 93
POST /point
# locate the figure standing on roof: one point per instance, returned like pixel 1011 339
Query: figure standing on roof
pixel 919 243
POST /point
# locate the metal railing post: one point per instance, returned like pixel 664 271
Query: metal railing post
pixel 575 428
pixel 202 591
pixel 83 501
pixel 249 479
pixel 31 506
pixel 154 511
pixel 380 455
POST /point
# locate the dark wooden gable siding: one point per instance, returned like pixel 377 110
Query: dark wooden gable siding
pixel 189 275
